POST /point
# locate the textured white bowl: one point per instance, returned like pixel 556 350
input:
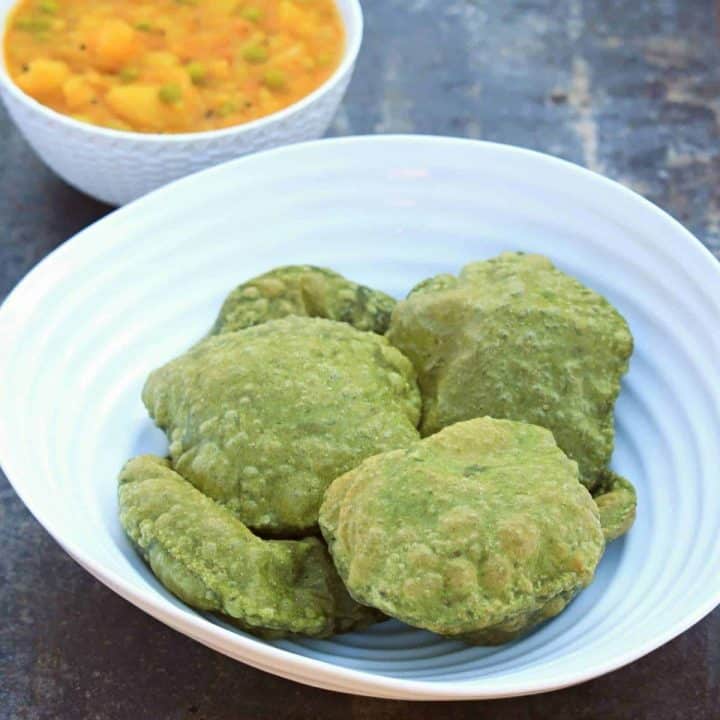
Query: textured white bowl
pixel 82 331
pixel 117 167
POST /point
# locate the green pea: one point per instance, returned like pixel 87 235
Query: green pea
pixel 227 108
pixel 253 14
pixel 129 74
pixel 170 94
pixel 49 7
pixel 274 79
pixel 255 54
pixel 144 26
pixel 197 72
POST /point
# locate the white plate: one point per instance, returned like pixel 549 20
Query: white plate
pixel 82 331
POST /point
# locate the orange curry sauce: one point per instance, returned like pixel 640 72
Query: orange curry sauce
pixel 172 66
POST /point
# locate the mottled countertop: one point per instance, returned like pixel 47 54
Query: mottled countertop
pixel 630 88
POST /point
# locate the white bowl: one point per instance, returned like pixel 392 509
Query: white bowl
pixel 82 331
pixel 117 167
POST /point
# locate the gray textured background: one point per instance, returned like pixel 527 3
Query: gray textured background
pixel 630 88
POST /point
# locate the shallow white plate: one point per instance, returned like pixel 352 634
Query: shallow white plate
pixel 82 331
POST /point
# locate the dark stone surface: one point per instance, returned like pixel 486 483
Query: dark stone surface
pixel 629 88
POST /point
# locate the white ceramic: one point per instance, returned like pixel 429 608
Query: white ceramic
pixel 82 331
pixel 117 167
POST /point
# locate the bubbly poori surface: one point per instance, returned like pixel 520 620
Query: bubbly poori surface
pixel 480 531
pixel 263 419
pixel 210 560
pixel 308 291
pixel 515 337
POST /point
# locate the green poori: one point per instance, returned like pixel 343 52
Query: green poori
pixel 205 556
pixel 263 419
pixel 308 291
pixel 478 532
pixel 514 337
pixel 616 499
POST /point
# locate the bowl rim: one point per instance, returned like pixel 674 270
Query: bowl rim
pixel 311 671
pixel 354 31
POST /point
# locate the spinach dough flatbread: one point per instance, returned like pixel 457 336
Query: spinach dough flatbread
pixel 617 502
pixel 211 561
pixel 304 290
pixel 478 532
pixel 263 419
pixel 514 337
